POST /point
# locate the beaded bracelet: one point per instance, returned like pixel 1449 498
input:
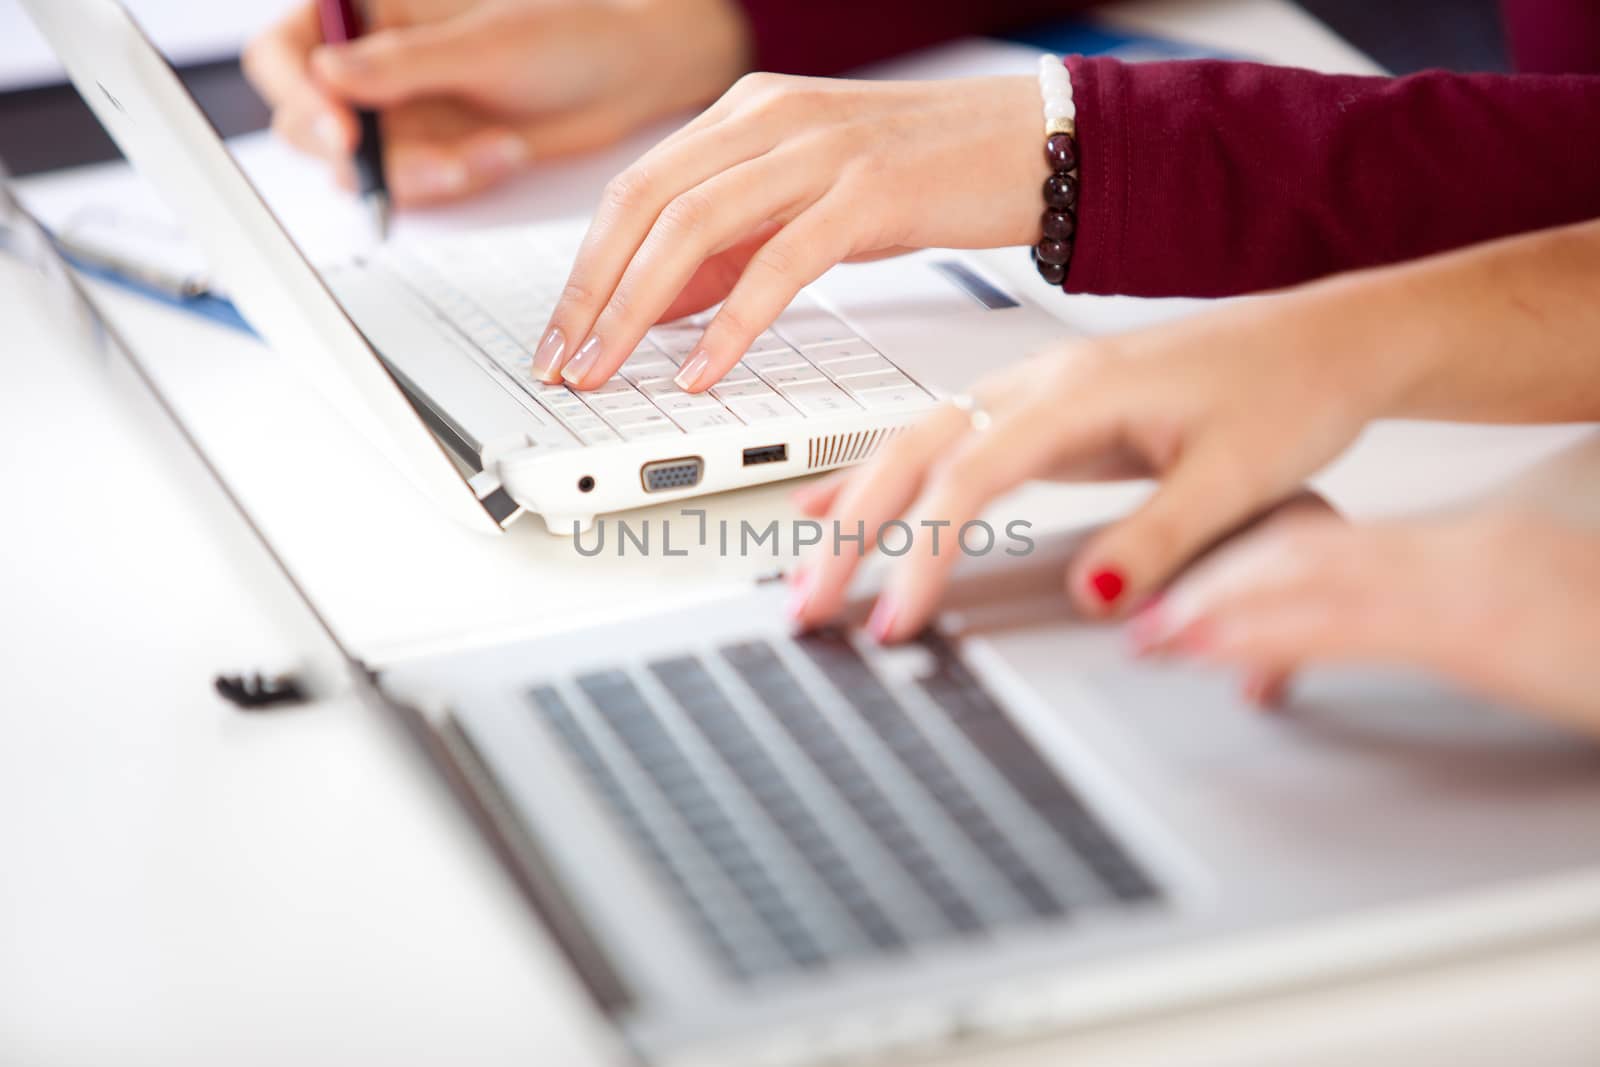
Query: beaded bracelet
pixel 1059 223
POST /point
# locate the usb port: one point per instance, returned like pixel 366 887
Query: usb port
pixel 754 457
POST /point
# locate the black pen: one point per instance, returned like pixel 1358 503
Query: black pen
pixel 342 23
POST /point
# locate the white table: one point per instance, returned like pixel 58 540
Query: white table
pixel 181 884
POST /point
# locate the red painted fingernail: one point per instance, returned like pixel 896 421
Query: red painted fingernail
pixel 881 621
pixel 1107 584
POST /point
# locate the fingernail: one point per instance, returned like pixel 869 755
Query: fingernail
pixel 692 371
pixel 434 177
pixel 881 622
pixel 328 132
pixel 1263 691
pixel 1107 584
pixel 800 587
pixel 1147 630
pixel 497 157
pixel 547 360
pixel 587 356
pixel 333 57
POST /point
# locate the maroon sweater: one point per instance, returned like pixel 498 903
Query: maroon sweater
pixel 1212 178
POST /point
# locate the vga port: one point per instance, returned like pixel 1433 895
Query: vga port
pixel 664 475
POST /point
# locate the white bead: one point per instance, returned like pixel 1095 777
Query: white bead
pixel 1055 90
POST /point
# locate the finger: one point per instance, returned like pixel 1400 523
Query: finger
pixel 981 468
pixel 792 258
pixel 1205 495
pixel 875 493
pixel 693 227
pixel 717 276
pixel 817 497
pixel 1306 590
pixel 318 128
pixel 393 65
pixel 423 169
pixel 276 65
pixel 1267 689
pixel 629 208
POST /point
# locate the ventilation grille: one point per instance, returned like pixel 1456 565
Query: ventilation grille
pixel 838 449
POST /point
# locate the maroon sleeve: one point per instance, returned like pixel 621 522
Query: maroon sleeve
pixel 1212 178
pixel 1553 36
pixel 828 36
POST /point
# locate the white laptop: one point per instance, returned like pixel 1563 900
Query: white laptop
pixel 444 330
pixel 758 848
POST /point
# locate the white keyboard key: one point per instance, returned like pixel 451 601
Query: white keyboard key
pixel 739 373
pixel 726 390
pixel 676 340
pixel 615 402
pixel 612 385
pixel 654 387
pixel 894 398
pixel 634 417
pixel 673 403
pixel 820 398
pixel 855 365
pixel 763 362
pixel 865 383
pixel 754 409
pixel 807 324
pixel 639 430
pixel 785 377
pixel 637 370
pixel 767 342
pixel 704 418
pixel 598 435
pixel 828 355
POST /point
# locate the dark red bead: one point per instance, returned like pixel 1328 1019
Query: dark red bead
pixel 1058 224
pixel 1053 251
pixel 1053 273
pixel 1062 151
pixel 1061 191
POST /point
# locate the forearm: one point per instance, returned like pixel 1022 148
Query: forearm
pixel 1212 178
pixel 1503 332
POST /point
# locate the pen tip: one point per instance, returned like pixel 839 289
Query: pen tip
pixel 378 211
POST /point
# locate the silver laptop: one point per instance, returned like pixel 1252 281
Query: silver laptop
pixel 761 848
pixel 450 325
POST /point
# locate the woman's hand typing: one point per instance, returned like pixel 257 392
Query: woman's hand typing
pixel 780 180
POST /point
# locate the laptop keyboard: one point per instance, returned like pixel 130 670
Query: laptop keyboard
pixel 498 289
pixel 803 812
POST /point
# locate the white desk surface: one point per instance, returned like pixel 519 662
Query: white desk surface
pixel 182 884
